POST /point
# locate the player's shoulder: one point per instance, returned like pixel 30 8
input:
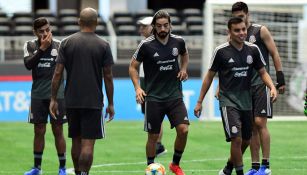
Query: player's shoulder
pixel 31 43
pixel 56 41
pixel 222 46
pixel 175 36
pixel 249 44
pixel 256 25
pixel 147 40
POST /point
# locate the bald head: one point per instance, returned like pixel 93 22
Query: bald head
pixel 88 17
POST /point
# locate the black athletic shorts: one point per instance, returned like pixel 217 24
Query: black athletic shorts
pixel 155 112
pixel 39 111
pixel 87 123
pixel 237 123
pixel 262 105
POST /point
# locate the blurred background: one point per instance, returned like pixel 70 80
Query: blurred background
pixel 202 24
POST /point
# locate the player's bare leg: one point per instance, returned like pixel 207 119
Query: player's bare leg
pixel 151 147
pixel 236 154
pixel 265 140
pixel 86 155
pixel 179 146
pixel 160 149
pixel 75 152
pixel 39 137
pixel 60 144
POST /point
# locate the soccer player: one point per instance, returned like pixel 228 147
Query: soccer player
pixel 85 56
pixel 234 61
pixel 163 89
pixel 262 107
pixel 39 56
pixel 145 30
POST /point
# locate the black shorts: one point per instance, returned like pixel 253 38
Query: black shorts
pixel 237 123
pixel 87 123
pixel 39 111
pixel 155 112
pixel 262 105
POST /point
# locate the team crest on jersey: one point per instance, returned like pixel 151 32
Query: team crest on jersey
pixel 54 52
pixel 249 59
pixel 175 52
pixel 252 39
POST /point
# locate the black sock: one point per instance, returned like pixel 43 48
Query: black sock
pixel 239 170
pixel 256 165
pixel 266 163
pixel 150 160
pixel 62 160
pixel 77 172
pixel 84 173
pixel 228 168
pixel 177 156
pixel 38 159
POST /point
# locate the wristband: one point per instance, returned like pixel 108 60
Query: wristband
pixel 280 79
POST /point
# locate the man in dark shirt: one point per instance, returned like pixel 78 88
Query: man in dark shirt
pixel 262 107
pixel 234 61
pixel 145 30
pixel 39 56
pixel 163 89
pixel 86 57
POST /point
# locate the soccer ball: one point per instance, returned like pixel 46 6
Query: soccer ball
pixel 155 169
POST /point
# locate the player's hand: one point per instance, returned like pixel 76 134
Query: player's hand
pixel 140 95
pixel 182 75
pixel 281 89
pixel 217 93
pixel 280 77
pixel 197 110
pixel 46 42
pixel 53 108
pixel 110 113
pixel 274 94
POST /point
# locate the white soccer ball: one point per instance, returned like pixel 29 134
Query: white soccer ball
pixel 155 169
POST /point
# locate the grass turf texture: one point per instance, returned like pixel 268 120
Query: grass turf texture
pixel 123 151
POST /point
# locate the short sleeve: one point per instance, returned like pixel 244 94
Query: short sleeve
pixel 215 61
pixel 183 48
pixel 61 53
pixel 108 57
pixel 139 53
pixel 27 50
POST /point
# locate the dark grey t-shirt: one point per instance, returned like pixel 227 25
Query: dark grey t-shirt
pixel 84 55
pixel 235 68
pixel 42 72
pixel 161 67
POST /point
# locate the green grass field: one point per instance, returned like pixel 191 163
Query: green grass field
pixel 123 151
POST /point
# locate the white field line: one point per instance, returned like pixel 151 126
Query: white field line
pixel 71 170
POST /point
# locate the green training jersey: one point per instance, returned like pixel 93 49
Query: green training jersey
pixel 42 64
pixel 235 69
pixel 161 66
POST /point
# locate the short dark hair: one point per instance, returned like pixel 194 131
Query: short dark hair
pixel 234 20
pixel 239 6
pixel 39 22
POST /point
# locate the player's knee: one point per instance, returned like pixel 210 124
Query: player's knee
pixel 183 131
pixel 40 129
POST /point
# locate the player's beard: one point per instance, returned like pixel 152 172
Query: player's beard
pixel 163 35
